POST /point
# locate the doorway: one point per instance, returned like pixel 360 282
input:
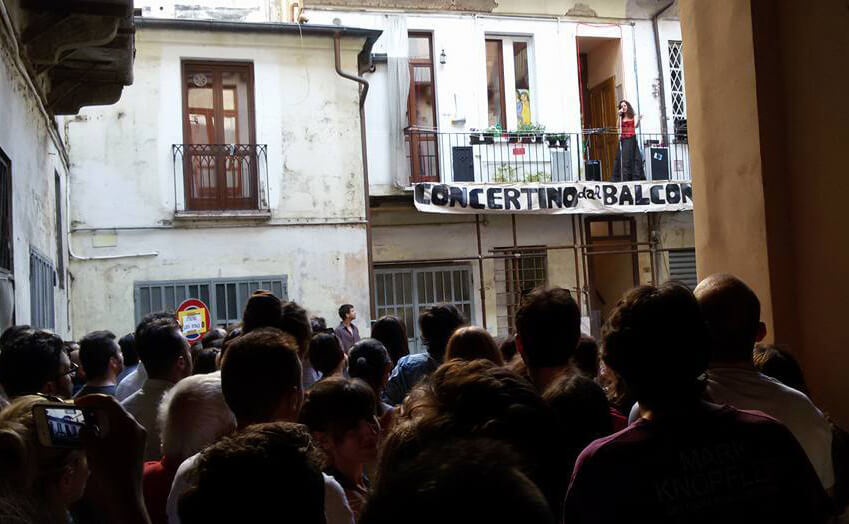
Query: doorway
pixel 423 138
pixel 612 263
pixel 600 80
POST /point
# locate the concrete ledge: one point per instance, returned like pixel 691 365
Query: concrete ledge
pixel 262 215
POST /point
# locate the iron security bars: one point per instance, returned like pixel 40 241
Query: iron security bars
pixel 222 176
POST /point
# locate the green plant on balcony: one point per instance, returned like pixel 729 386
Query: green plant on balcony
pixel 530 132
pixel 506 173
pixel 557 139
pixel 539 176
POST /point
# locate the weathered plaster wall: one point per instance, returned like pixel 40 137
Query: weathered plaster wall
pixel 123 178
pixel 25 139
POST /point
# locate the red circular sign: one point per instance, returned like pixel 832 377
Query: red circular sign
pixel 193 317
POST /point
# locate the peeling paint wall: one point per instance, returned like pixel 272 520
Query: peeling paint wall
pixel 124 186
pixel 25 139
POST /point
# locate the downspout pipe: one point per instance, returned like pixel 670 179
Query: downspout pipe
pixel 661 91
pixel 337 55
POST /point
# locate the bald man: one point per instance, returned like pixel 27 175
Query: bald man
pixel 732 312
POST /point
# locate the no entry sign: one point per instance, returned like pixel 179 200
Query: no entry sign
pixel 193 316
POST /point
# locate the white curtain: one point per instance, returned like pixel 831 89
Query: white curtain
pixel 398 86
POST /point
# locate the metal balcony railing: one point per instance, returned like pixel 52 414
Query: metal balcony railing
pixel 505 157
pixel 221 176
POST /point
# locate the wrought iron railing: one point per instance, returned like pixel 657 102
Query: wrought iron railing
pixel 221 176
pixel 502 157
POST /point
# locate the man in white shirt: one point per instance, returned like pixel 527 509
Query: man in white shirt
pixel 732 312
pixel 261 381
pixel 165 354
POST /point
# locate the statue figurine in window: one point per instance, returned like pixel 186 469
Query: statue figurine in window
pixel 523 106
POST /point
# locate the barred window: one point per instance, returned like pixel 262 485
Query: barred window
pixel 676 79
pixel 225 297
pixel 42 279
pixel 515 277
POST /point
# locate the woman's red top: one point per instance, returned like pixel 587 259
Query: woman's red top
pixel 628 128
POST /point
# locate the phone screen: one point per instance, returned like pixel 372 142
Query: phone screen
pixel 64 425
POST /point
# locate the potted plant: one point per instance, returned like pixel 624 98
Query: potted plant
pixel 506 173
pixel 556 139
pixel 531 133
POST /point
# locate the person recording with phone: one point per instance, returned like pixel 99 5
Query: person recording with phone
pixel 629 162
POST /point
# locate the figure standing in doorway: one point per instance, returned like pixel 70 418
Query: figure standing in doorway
pixel 346 331
pixel 629 162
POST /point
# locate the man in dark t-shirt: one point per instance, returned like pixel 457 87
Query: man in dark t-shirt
pixel 101 359
pixel 685 460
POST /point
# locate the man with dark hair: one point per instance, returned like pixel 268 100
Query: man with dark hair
pixel 165 354
pixel 732 312
pixel 548 325
pixel 346 331
pixel 684 460
pixel 263 309
pixel 101 359
pixel 13 331
pixel 271 469
pixel 214 338
pixel 35 362
pixel 127 343
pixel 261 382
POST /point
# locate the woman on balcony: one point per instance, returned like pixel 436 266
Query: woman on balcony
pixel 629 162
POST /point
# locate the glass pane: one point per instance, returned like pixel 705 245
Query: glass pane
pixel 494 86
pixel 233 311
pixel 420 285
pixel 156 299
pixel 381 290
pixel 169 298
pixel 458 283
pixel 620 228
pixel 277 289
pixel 599 229
pixel 439 287
pixel 420 48
pixel 194 291
pixel 220 303
pixel 229 98
pixel 523 85
pixel 204 294
pixel 201 109
pixel 408 288
pixel 235 99
pixel 422 86
pixel 144 301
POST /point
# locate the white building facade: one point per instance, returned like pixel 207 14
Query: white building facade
pixel 232 164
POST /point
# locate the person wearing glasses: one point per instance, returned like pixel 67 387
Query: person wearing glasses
pixel 36 362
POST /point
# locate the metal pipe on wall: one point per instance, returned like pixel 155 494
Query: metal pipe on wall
pixel 364 85
pixel 480 270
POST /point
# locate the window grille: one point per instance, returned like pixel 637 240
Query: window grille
pixel 515 278
pixel 407 292
pixel 225 297
pixel 682 266
pixel 676 79
pixel 41 281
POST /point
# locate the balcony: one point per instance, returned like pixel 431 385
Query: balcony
pixel 511 157
pixel 221 179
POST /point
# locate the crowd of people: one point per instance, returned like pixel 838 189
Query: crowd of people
pixel 675 415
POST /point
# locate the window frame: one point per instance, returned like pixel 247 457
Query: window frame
pixel 60 241
pixel 42 299
pixel 508 77
pixel 220 202
pixel 512 269
pixel 7 229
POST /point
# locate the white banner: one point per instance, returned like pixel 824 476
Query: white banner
pixel 554 198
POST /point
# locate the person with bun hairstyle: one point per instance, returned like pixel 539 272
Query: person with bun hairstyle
pixel 369 361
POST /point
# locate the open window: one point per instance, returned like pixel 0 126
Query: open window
pixel 510 85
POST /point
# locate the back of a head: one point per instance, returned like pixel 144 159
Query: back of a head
pixel 472 343
pixel 478 398
pixel 192 415
pixel 367 361
pixel 337 405
pixel 775 362
pixel 294 321
pixel 437 325
pixel 582 409
pixel 548 324
pixel 393 334
pixel 585 358
pixel 263 309
pixel 214 338
pixel 325 353
pixel 96 348
pixel 159 343
pixel 264 471
pixel 127 343
pixel 28 361
pixel 732 313
pixel 318 324
pixel 459 481
pixel 12 332
pixel 507 347
pixel 656 341
pixel 259 371
pixel 204 361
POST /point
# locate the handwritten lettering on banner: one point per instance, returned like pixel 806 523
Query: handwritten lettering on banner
pixel 554 198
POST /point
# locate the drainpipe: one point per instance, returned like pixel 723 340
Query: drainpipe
pixel 660 88
pixel 363 93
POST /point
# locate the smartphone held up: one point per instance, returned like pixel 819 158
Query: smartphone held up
pixel 60 425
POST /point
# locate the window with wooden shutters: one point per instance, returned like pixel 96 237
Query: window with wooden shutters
pixel 225 297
